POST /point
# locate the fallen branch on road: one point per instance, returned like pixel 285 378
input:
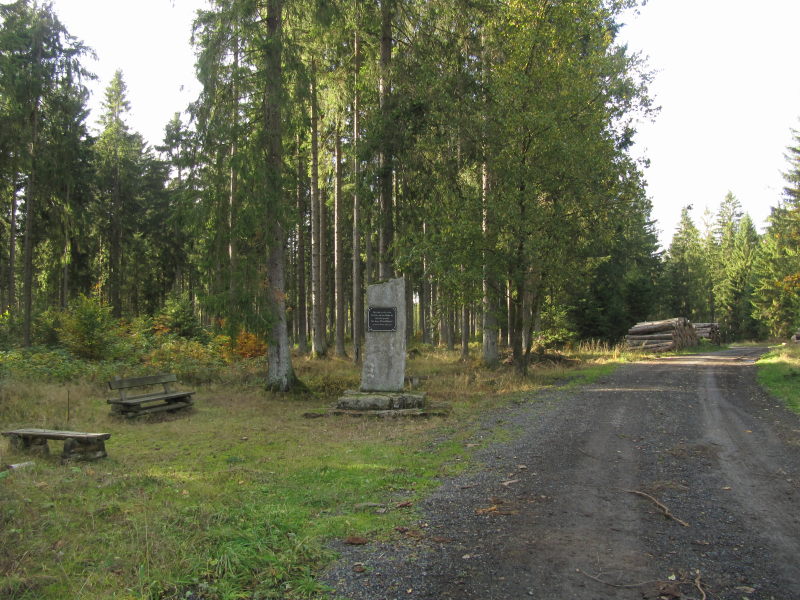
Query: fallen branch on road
pixel 665 588
pixel 664 510
pixel 699 586
pixel 625 586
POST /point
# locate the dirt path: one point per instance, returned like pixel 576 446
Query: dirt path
pixel 552 515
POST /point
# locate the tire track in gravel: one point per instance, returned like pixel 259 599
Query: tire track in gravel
pixel 695 432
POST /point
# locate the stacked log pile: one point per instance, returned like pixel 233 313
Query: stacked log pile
pixel 662 336
pixel 708 331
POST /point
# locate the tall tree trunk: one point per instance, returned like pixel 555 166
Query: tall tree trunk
pixel 464 331
pixel 527 317
pixel 450 329
pixel 386 225
pixel 324 287
pixel 509 314
pixel 65 273
pixel 115 248
pixel 433 307
pixel 338 258
pixel 409 288
pixel 318 346
pixel 423 310
pixel 490 354
pixel 302 324
pixel 515 326
pixel 11 299
pixel 3 279
pixel 425 297
pixel 358 297
pixel 233 184
pixel 280 376
pixel 30 217
pixel 27 257
pixel 369 249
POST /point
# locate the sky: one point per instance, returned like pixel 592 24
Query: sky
pixel 728 87
pixel 149 41
pixel 725 79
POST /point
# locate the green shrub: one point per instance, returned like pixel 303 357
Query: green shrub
pixel 54 365
pixel 44 329
pixel 87 329
pixel 189 359
pixel 178 318
pixel 9 330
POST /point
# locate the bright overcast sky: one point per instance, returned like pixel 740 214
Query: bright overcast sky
pixel 728 86
pixel 726 82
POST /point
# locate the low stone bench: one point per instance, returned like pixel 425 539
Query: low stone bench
pixel 78 445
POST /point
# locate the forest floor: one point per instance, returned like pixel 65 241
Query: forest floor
pixel 674 478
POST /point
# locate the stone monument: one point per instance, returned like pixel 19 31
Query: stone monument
pixel 384 362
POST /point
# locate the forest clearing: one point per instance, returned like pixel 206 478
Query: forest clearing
pixel 243 496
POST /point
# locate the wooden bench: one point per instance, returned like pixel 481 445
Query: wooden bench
pixel 132 405
pixel 77 444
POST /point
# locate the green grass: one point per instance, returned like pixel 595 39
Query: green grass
pixel 239 498
pixel 779 373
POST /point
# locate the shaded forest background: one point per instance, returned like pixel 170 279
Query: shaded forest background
pixel 478 149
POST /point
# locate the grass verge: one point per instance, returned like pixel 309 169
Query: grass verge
pixel 779 373
pixel 238 498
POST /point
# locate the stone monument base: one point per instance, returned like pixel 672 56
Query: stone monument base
pixel 356 400
pixel 385 404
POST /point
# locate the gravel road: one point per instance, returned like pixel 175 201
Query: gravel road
pixel 574 508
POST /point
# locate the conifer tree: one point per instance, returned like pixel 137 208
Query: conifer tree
pixel 776 297
pixel 40 83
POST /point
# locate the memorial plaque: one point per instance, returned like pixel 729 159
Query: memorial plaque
pixel 384 363
pixel 382 318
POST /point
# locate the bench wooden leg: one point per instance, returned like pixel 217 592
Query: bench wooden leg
pixel 36 445
pixel 75 449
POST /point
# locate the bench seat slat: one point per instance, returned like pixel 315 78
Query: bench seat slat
pixel 132 412
pixel 57 435
pixel 143 398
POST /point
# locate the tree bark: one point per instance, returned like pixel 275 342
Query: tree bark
pixel 450 328
pixel 464 332
pixel 358 297
pixel 515 327
pixel 369 249
pixel 11 300
pixel 302 324
pixel 30 217
pixel 318 346
pixel 337 244
pixel 509 314
pixel 27 257
pixel 233 250
pixel 115 246
pixel 409 288
pixel 280 376
pixel 423 310
pixel 324 286
pixel 386 223
pixel 490 354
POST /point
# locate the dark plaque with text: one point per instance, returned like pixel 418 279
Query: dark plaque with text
pixel 382 318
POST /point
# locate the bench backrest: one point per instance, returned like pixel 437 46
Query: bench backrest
pixel 131 382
